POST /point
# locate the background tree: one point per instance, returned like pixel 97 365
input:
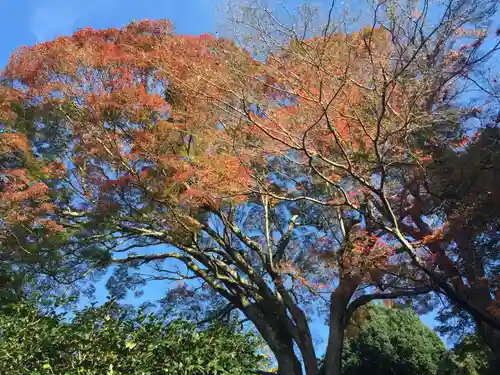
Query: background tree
pixel 471 356
pixel 393 341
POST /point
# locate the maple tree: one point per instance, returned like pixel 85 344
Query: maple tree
pixel 28 236
pixel 290 179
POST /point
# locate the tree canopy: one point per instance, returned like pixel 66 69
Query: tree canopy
pixel 393 341
pixel 303 167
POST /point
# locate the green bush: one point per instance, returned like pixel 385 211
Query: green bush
pixel 112 340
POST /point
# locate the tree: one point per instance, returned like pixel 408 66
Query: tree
pixel 472 356
pixel 373 116
pixel 125 167
pixel 393 341
pixel 119 340
pixel 463 182
pixel 277 177
pixel 30 257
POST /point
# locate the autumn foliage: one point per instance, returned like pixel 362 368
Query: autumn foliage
pixel 107 91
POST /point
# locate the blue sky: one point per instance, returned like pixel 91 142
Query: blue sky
pixel 26 22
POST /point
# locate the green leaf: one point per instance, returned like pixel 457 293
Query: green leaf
pixel 130 345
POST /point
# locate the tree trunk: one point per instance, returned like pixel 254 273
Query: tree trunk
pixel 338 305
pixel 280 341
pixel 333 359
pixel 288 364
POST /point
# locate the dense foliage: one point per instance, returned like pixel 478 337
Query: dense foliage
pixel 471 356
pixel 393 342
pixel 115 340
